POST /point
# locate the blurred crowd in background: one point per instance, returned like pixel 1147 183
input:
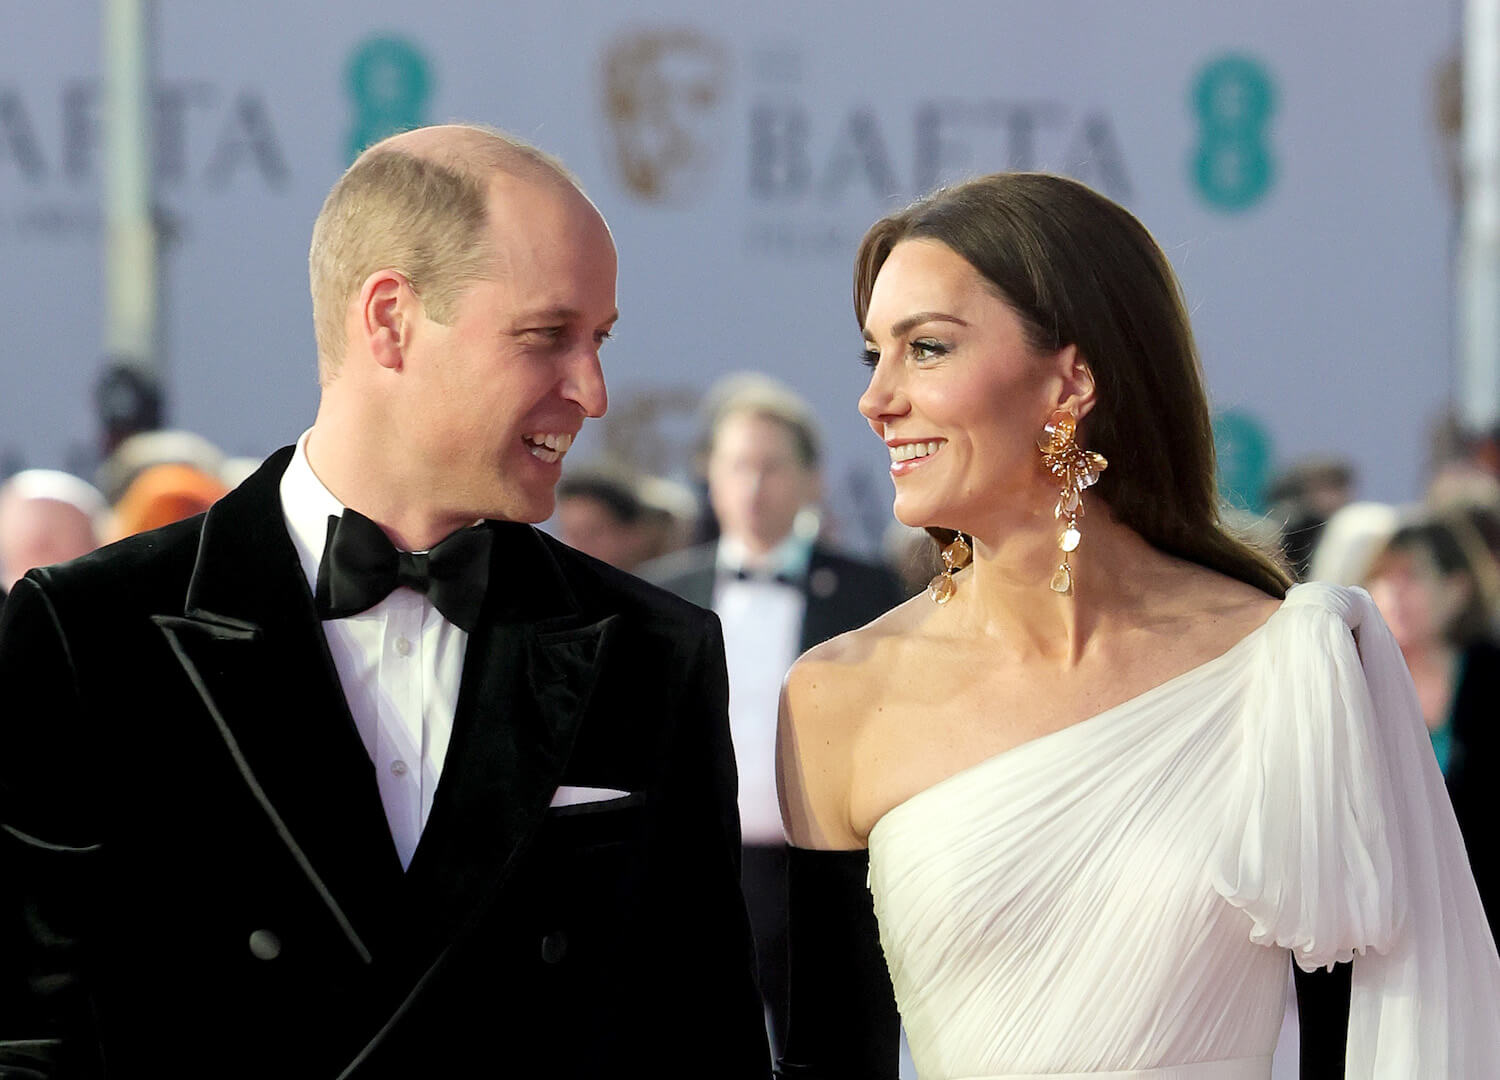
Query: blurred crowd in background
pixel 1432 566
pixel 747 535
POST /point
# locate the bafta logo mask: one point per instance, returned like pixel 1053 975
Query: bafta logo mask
pixel 662 92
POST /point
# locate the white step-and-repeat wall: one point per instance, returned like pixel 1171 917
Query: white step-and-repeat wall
pixel 1287 155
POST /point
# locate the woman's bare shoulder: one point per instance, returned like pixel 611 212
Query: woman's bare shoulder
pixel 828 697
pixel 841 666
pixel 1212 609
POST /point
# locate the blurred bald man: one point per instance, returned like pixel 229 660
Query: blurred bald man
pixel 359 774
pixel 46 517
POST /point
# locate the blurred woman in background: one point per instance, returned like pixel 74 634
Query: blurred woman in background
pixel 1436 584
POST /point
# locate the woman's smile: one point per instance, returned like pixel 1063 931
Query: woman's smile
pixel 906 455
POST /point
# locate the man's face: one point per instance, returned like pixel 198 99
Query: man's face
pixel 756 482
pixel 491 402
pixel 40 532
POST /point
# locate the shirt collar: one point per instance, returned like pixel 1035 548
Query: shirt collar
pixel 788 559
pixel 307 504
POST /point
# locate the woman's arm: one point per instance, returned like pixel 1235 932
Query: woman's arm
pixel 842 1020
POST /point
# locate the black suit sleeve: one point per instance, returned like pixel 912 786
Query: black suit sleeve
pixel 842 1022
pixel 49 849
pixel 707 998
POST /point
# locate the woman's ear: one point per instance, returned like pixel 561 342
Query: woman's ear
pixel 1077 393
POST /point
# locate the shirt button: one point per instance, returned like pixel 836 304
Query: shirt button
pixel 554 947
pixel 403 646
pixel 265 945
pixel 398 767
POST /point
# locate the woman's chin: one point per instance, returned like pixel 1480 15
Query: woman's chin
pixel 913 514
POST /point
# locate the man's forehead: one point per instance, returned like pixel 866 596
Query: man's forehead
pixel 751 430
pixel 536 222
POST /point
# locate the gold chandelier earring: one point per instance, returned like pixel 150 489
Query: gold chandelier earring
pixel 956 556
pixel 1075 469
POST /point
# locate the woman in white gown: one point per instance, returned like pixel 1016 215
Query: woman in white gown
pixel 1119 772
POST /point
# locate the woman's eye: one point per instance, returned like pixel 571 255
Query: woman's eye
pixel 869 356
pixel 927 349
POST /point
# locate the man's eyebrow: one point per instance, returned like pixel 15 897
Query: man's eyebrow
pixel 548 316
pixel 901 328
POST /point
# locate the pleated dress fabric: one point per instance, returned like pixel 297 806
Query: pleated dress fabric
pixel 1118 898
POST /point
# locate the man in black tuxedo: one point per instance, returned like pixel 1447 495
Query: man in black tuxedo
pixel 778 591
pixel 281 798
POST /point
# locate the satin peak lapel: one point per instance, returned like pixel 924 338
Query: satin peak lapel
pixel 252 646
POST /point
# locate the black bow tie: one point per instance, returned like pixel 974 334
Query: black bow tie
pixel 765 577
pixel 361 567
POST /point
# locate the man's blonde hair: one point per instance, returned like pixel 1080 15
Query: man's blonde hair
pixel 420 214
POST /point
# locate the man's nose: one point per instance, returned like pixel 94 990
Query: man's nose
pixel 585 383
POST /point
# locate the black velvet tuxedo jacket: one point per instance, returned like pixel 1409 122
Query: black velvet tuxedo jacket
pixel 198 876
pixel 842 593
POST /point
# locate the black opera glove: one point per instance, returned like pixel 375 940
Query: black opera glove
pixel 842 1022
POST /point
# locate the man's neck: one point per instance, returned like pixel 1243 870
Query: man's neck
pixel 358 478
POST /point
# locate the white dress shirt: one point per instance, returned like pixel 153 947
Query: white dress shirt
pixel 399 664
pixel 762 620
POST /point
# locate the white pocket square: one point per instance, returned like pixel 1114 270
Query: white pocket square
pixel 575 796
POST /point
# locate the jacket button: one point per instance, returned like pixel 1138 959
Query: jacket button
pixel 554 947
pixel 264 945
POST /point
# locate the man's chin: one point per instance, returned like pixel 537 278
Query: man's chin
pixel 531 511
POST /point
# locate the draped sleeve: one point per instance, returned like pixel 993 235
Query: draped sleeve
pixel 1340 843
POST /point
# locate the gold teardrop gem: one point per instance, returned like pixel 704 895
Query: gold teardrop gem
pixel 941 589
pixel 1062 581
pixel 957 554
pixel 1070 538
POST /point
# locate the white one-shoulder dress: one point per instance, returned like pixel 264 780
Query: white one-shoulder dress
pixel 1116 898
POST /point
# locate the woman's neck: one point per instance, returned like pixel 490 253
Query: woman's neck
pixel 1009 592
pixel 1434 671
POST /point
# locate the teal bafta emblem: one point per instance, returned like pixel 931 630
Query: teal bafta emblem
pixel 1243 447
pixel 388 83
pixel 1234 100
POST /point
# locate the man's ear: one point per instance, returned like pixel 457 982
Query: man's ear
pixel 1077 394
pixel 812 487
pixel 387 308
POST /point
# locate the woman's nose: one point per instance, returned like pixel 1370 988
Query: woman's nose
pixel 883 397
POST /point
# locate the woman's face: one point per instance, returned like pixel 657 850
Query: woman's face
pixel 1417 602
pixel 956 393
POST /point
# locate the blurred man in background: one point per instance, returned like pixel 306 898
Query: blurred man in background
pixel 46 517
pixel 778 591
pixel 620 517
pixel 1303 498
